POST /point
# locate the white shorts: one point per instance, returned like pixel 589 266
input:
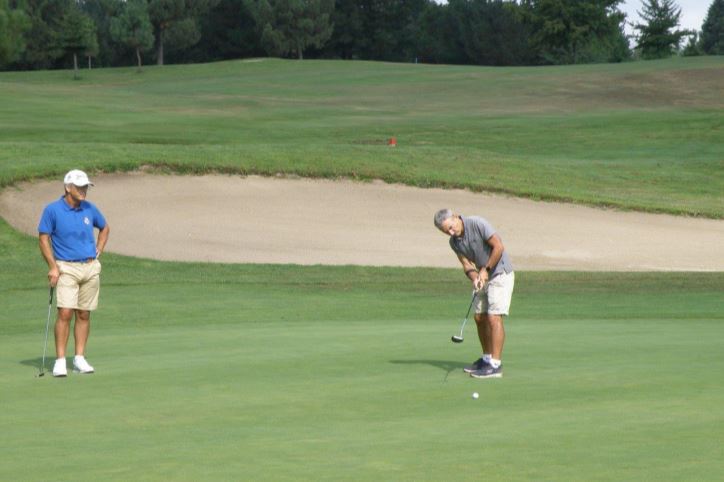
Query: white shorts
pixel 495 297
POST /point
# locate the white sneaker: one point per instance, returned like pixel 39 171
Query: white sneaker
pixel 80 365
pixel 59 368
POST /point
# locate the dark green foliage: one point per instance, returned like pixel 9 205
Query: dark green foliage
pixel 693 46
pixel 110 52
pixel 347 40
pixel 389 28
pixel 133 27
pixel 43 48
pixel 227 32
pixel 291 26
pixel 177 21
pixel 491 32
pixel 574 31
pixel 658 38
pixel 482 32
pixel 77 35
pixel 13 24
pixel 712 31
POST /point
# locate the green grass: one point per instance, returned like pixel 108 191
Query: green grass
pixel 642 135
pixel 248 372
pixel 252 372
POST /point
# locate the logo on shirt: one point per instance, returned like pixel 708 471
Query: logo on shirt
pixel 86 220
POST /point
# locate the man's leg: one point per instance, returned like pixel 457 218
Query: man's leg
pixel 494 325
pixel 62 331
pixel 483 332
pixel 81 331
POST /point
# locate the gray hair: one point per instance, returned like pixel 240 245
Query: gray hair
pixel 441 216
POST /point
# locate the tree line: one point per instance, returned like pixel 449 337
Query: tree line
pixel 48 34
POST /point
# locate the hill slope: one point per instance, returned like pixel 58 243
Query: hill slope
pixel 644 135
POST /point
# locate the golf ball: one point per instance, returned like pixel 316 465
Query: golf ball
pixel 475 395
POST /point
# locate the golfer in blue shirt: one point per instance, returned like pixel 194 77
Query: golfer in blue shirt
pixel 68 244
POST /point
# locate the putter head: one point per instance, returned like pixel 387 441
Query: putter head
pixel 40 374
pixel 457 339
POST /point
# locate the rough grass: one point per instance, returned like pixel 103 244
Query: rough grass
pixel 643 135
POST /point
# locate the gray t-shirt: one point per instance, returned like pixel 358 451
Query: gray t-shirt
pixel 474 246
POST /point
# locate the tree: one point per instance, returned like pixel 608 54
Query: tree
pixel 228 32
pixel 77 35
pixel 348 30
pixel 177 22
pixel 133 28
pixel 291 26
pixel 439 40
pixel 712 31
pixel 43 48
pixel 693 46
pixel 91 50
pixel 13 24
pixel 657 38
pixel 110 53
pixel 568 31
pixel 491 32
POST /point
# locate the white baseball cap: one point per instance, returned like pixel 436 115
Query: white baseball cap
pixel 79 178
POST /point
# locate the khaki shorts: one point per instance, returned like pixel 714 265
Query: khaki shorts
pixel 495 297
pixel 79 285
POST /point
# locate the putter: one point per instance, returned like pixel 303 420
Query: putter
pixel 47 325
pixel 459 338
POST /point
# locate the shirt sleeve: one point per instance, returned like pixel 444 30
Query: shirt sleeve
pixel 98 220
pixel 47 222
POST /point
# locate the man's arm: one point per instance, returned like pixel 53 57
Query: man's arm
pixel 470 270
pixel 47 251
pixel 495 254
pixel 102 240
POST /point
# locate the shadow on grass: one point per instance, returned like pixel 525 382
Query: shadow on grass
pixel 445 365
pixel 37 362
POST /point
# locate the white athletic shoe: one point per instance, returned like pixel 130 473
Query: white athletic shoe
pixel 59 368
pixel 80 365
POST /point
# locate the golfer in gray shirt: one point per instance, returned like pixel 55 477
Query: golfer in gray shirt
pixel 486 263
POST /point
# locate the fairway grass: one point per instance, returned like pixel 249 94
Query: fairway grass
pixel 286 373
pixel 640 135
pixel 281 373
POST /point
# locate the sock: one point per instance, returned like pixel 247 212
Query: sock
pixel 486 358
pixel 495 363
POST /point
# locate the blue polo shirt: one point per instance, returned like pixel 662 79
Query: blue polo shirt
pixel 71 229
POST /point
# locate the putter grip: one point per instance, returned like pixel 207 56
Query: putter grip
pixel 50 299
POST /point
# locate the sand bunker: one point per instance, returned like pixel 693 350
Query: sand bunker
pixel 234 219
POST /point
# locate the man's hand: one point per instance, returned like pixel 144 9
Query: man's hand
pixel 53 275
pixel 482 278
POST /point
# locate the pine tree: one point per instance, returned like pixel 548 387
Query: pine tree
pixel 291 26
pixel 657 38
pixel 77 35
pixel 712 31
pixel 133 28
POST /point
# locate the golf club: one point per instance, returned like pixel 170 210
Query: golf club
pixel 459 338
pixel 47 325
